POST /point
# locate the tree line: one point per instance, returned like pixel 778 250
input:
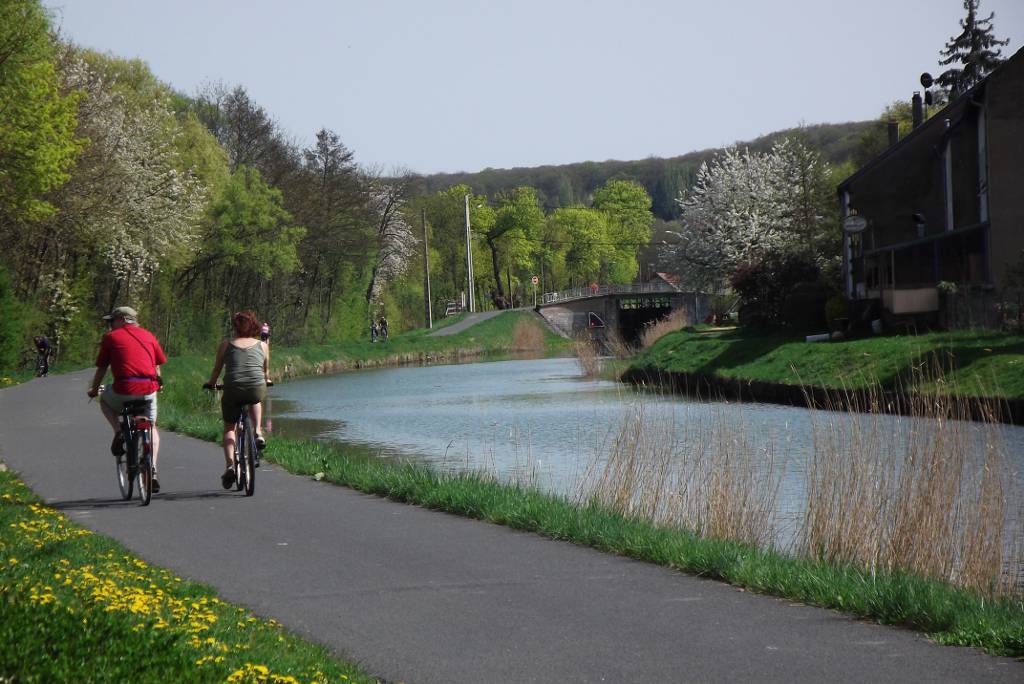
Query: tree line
pixel 117 189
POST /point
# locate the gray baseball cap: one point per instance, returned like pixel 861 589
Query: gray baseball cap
pixel 125 312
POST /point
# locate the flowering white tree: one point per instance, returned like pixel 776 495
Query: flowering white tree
pixel 396 244
pixel 746 206
pixel 128 195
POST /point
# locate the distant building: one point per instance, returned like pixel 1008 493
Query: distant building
pixel 943 205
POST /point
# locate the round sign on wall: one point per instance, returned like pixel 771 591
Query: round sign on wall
pixel 854 223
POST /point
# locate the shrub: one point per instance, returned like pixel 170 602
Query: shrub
pixel 12 330
pixel 764 285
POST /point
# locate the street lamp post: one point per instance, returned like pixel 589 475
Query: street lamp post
pixel 469 260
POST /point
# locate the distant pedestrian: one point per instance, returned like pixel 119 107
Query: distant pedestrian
pixel 383 329
pixel 373 330
pixel 265 332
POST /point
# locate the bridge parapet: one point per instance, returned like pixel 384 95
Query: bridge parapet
pixel 605 290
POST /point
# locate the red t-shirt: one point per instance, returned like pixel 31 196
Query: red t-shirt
pixel 133 355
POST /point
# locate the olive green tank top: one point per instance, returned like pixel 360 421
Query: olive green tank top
pixel 244 367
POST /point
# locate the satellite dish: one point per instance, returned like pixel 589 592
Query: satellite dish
pixel 927 80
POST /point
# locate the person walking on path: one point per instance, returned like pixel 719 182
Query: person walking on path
pixel 383 325
pixel 134 357
pixel 373 330
pixel 245 360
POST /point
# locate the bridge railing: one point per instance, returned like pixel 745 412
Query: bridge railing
pixel 604 290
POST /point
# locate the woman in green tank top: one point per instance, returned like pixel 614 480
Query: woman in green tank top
pixel 245 361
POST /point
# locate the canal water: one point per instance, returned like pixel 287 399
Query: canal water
pixel 540 422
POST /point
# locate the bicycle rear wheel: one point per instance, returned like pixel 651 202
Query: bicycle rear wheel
pixel 144 470
pixel 241 430
pixel 125 473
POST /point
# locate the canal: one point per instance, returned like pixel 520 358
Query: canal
pixel 539 422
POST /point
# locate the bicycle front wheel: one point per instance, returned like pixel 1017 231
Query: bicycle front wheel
pixel 144 477
pixel 125 475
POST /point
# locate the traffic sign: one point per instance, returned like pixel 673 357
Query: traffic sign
pixel 535 280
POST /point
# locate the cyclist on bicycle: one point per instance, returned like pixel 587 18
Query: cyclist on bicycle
pixel 246 364
pixel 134 357
pixel 42 355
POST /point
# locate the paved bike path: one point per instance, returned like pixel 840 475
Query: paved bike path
pixel 420 596
pixel 469 321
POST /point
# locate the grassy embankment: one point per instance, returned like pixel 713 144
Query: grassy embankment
pixel 981 363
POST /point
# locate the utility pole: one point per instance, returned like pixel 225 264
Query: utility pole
pixel 426 269
pixel 469 261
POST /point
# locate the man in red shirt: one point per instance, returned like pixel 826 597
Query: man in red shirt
pixel 134 356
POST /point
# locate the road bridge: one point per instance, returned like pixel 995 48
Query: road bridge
pixel 622 310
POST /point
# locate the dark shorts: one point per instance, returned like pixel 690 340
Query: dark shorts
pixel 234 398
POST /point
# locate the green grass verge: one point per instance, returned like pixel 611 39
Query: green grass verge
pixel 982 363
pixel 77 606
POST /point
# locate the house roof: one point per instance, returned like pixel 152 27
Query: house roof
pixel 670 278
pixel 953 110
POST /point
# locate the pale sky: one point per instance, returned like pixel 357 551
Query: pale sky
pixel 448 85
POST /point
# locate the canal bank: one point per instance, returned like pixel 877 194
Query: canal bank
pixel 983 368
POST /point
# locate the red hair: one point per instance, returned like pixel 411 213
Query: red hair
pixel 246 324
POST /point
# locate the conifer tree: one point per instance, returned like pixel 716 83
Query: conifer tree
pixel 975 51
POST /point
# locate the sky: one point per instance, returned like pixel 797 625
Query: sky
pixel 447 85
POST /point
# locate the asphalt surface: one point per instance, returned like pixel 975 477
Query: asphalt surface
pixel 420 596
pixel 470 320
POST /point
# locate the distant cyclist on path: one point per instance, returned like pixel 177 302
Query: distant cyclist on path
pixel 42 355
pixel 134 357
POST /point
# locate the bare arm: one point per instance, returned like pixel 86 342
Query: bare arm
pixel 218 365
pixel 266 361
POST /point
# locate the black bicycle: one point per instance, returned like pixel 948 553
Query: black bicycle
pixel 247 455
pixel 42 365
pixel 135 465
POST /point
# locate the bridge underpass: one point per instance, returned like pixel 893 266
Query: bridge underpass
pixel 621 310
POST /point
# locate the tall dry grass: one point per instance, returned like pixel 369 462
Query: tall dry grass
pixel 616 346
pixel 588 355
pixel 698 470
pixel 527 336
pixel 909 482
pixel 893 483
pixel 677 320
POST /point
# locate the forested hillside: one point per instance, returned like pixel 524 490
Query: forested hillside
pixel 569 184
